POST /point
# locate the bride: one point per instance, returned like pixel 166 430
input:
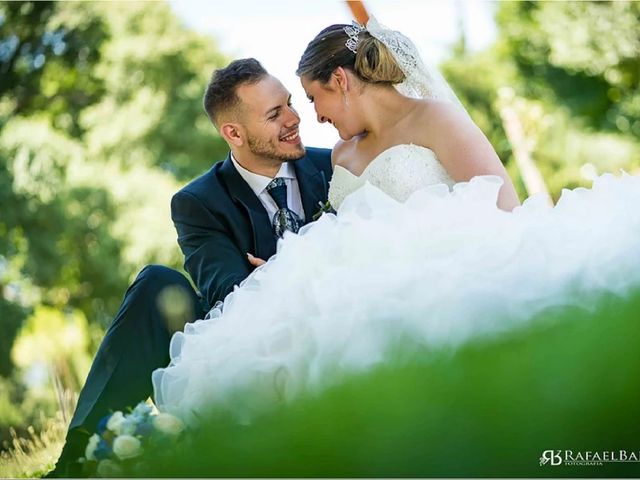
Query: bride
pixel 428 247
pixel 351 85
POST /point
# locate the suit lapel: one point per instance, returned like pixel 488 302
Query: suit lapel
pixel 313 191
pixel 264 239
pixel 313 187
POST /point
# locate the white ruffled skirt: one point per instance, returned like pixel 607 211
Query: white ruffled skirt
pixel 444 268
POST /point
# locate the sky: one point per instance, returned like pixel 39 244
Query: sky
pixel 277 32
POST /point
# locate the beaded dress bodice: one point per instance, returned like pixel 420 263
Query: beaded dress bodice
pixel 398 171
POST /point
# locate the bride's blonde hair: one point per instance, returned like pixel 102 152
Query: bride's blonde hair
pixel 372 62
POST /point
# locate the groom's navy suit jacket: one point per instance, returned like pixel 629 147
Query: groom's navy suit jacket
pixel 219 220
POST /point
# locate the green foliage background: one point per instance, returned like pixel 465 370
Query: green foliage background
pixel 572 72
pixel 101 122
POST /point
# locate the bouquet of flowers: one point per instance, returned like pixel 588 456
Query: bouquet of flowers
pixel 114 450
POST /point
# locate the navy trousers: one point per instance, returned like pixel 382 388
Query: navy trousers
pixel 136 343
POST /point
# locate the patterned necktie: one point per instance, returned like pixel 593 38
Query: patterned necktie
pixel 284 218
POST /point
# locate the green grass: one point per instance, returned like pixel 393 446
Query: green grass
pixel 34 456
pixel 570 382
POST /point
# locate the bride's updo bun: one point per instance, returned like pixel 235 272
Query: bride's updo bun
pixel 372 62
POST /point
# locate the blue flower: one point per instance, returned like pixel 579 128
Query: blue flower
pixel 145 428
pixel 102 424
pixel 103 450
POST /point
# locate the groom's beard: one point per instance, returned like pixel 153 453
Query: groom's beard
pixel 272 149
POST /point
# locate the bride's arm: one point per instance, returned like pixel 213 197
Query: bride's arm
pixel 464 151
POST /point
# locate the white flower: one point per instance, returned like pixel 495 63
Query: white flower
pixel 115 423
pixel 91 447
pixel 129 425
pixel 126 446
pixel 168 424
pixel 109 468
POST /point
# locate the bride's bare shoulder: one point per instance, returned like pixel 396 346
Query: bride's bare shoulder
pixel 434 109
pixel 433 119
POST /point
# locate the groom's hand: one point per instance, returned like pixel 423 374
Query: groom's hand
pixel 255 261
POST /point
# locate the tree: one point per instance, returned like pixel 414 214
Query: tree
pixel 570 70
pixel 100 107
pixel 44 64
pixel 155 72
pixel 46 58
pixel 582 55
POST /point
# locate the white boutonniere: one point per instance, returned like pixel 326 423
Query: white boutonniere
pixel 324 208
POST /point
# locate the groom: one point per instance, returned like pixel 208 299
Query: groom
pixel 227 221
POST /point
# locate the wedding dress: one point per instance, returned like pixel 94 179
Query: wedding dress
pixel 410 258
pixel 398 171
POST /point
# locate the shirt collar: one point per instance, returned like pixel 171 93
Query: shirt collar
pixel 259 182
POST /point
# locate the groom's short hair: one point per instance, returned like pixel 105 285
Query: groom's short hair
pixel 220 96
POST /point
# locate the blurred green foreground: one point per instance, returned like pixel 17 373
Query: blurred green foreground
pixel 571 381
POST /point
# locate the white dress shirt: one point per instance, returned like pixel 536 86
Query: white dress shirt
pixel 258 184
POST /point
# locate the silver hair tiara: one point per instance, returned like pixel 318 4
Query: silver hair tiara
pixel 353 30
